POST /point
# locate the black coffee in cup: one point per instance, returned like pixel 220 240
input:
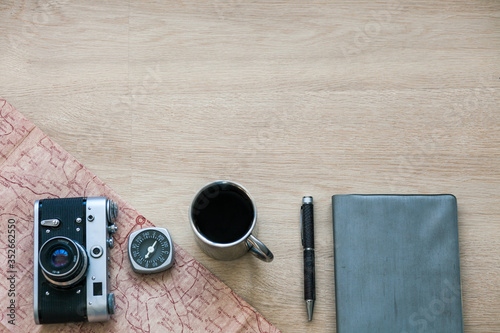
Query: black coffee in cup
pixel 223 213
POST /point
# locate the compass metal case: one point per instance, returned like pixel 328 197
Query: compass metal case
pixel 150 250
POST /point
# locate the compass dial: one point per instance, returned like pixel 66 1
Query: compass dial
pixel 150 250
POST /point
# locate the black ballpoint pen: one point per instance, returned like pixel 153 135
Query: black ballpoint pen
pixel 307 224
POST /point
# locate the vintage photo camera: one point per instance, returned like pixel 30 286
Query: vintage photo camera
pixel 72 238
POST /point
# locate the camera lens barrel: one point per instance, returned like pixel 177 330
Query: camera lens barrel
pixel 63 261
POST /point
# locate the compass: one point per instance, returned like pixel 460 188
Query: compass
pixel 150 250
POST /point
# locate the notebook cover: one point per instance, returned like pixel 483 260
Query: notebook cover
pixel 397 264
pixel 185 298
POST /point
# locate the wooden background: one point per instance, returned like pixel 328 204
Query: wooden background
pixel 160 97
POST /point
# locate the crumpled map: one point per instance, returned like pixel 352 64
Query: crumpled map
pixel 185 298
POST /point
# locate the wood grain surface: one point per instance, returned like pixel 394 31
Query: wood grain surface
pixel 288 98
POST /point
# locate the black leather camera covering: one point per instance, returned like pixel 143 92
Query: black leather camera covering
pixel 62 304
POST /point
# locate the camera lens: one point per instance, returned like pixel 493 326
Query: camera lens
pixel 63 261
pixel 59 258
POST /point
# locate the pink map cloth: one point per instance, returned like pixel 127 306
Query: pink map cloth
pixel 186 298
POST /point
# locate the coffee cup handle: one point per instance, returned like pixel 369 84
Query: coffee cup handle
pixel 258 249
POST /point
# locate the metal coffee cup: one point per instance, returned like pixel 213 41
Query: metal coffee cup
pixel 223 217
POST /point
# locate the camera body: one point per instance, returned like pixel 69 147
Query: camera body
pixel 72 237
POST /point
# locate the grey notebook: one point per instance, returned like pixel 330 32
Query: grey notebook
pixel 397 264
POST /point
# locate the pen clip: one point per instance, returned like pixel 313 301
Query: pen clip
pixel 302 224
